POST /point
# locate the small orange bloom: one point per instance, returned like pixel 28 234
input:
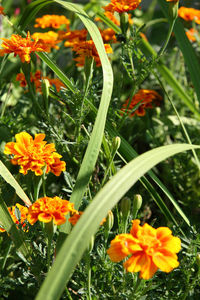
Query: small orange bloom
pixel 148 249
pixel 45 209
pixel 73 36
pixel 142 99
pixel 22 47
pixel 1 10
pixel 53 21
pixel 189 14
pixel 50 39
pixel 23 211
pixel 121 6
pixel 108 35
pixel 75 217
pixel 88 49
pixel 191 33
pixel 172 0
pixel 34 154
pixel 36 78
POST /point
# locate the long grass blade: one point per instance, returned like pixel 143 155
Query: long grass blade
pixel 7 176
pixel 76 243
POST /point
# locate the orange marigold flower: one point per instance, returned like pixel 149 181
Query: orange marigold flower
pixel 191 33
pixel 172 0
pixel 88 49
pixel 36 78
pixel 73 36
pixel 75 217
pixel 108 35
pixel 50 38
pixel 1 10
pixel 17 218
pixel 148 249
pixel 54 21
pixel 189 14
pixel 122 5
pixel 22 47
pixel 141 100
pixel 34 154
pixel 45 209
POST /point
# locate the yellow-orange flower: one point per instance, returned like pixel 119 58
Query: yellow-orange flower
pixel 108 35
pixel 22 47
pixel 172 0
pixel 36 79
pixel 73 36
pixel 189 14
pixel 34 154
pixel 148 249
pixel 50 39
pixel 121 6
pixel 45 209
pixel 1 10
pixel 191 34
pixel 143 99
pixel 75 217
pixel 23 211
pixel 88 49
pixel 53 21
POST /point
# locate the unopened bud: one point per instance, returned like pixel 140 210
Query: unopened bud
pixel 198 259
pixel 173 10
pixel 91 244
pixel 137 203
pixel 109 220
pixel 116 142
pixel 125 206
pixel 45 88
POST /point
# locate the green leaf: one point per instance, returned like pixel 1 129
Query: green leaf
pixel 7 176
pixel 76 243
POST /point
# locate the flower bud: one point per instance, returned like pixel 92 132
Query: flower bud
pixel 109 220
pixel 116 142
pixel 91 244
pixel 198 259
pixel 137 203
pixel 173 10
pixel 125 206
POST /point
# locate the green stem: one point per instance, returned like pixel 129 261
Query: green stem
pixel 6 101
pixel 181 123
pixel 49 232
pixel 6 255
pixel 162 50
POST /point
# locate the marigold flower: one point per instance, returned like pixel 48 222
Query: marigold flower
pixel 54 21
pixel 148 249
pixel 50 38
pixel 45 209
pixel 108 35
pixel 37 80
pixel 172 0
pixel 1 10
pixel 143 98
pixel 191 33
pixel 22 47
pixel 121 6
pixel 73 36
pixel 75 217
pixel 88 49
pixel 34 154
pixel 189 14
pixel 23 211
